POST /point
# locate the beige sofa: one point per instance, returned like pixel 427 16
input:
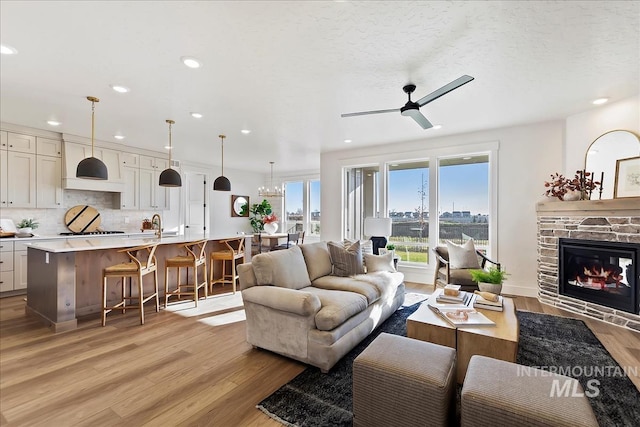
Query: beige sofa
pixel 296 307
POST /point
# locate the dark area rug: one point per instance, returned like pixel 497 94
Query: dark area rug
pixel 316 399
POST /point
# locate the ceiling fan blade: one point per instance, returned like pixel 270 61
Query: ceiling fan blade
pixel 418 117
pixel 444 90
pixel 362 113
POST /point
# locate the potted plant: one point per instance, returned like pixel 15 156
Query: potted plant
pixel 258 212
pixel 26 226
pixel 392 248
pixel 489 280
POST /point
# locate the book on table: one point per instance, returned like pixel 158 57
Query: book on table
pixel 461 317
pixel 461 298
pixel 485 304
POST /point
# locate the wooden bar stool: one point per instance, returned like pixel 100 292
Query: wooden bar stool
pixel 142 262
pixel 194 258
pixel 233 252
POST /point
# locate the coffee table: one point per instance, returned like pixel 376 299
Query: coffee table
pixel 499 341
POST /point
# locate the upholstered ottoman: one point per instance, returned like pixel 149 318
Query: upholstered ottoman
pixel 399 381
pixel 499 393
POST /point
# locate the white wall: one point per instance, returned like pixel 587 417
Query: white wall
pixel 584 128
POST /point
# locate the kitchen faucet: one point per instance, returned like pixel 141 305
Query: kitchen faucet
pixel 153 222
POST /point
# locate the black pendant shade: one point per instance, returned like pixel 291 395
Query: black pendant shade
pixel 170 178
pixel 92 167
pixel 222 183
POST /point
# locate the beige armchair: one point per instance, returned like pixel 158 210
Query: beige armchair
pixel 446 275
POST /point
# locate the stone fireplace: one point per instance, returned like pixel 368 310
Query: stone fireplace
pixel 588 258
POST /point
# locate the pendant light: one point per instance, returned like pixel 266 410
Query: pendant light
pixel 271 190
pixel 91 167
pixel 222 183
pixel 170 177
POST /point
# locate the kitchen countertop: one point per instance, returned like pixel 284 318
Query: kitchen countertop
pixel 110 241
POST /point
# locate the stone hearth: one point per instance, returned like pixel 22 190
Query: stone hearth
pixel 615 220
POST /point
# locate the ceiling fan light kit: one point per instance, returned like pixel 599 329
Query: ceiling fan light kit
pixel 170 177
pixel 222 183
pixel 412 108
pixel 92 167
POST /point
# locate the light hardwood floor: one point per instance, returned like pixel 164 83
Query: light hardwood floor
pixel 193 368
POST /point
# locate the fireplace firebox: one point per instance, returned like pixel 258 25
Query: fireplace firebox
pixel 605 273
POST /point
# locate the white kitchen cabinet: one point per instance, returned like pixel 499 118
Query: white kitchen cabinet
pixel 48 147
pixel 152 196
pixel 20 174
pixel 130 160
pixel 21 143
pixel 4 157
pixel 130 196
pixel 20 267
pixel 6 266
pixel 49 182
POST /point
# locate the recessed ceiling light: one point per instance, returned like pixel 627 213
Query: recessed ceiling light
pixel 120 89
pixel 347 141
pixel 466 158
pixel 600 101
pixel 53 123
pixel 196 115
pixel 118 136
pixel 8 50
pixel 168 147
pixel 190 62
pixel 436 127
pixel 395 165
pixel 245 131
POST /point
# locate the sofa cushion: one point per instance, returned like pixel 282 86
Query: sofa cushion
pixel 337 307
pixel 316 256
pixel 369 290
pixel 285 269
pixel 462 256
pixel 346 261
pixel 379 262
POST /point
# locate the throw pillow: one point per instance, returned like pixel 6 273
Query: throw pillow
pixel 379 262
pixel 462 256
pixel 317 258
pixel 346 261
pixel 285 269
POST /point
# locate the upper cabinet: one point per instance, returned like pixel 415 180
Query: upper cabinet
pixel 75 152
pixel 48 147
pixel 21 143
pixel 17 171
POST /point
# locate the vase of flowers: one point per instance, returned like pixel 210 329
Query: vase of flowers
pixel 270 223
pixel 577 188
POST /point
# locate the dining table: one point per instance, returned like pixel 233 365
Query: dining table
pixel 272 240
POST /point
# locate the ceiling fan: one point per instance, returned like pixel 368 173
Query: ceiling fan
pixel 412 109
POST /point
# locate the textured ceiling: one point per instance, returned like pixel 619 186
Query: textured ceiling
pixel 287 70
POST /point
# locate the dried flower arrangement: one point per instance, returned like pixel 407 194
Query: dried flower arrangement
pixel 582 182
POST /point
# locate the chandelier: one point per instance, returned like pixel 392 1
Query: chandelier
pixel 271 190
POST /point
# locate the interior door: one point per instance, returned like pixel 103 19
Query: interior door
pixel 196 213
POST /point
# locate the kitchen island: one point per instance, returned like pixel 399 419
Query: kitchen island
pixel 65 275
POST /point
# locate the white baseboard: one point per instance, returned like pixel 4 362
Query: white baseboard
pixel 523 291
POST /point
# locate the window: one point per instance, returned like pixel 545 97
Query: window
pixel 302 207
pixel 408 208
pixel 463 200
pixel 361 199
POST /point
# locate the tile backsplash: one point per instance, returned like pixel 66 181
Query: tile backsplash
pixel 51 221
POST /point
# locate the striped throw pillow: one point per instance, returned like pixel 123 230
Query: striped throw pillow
pixel 346 261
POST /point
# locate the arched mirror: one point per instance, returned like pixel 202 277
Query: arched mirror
pixel 240 206
pixel 602 155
